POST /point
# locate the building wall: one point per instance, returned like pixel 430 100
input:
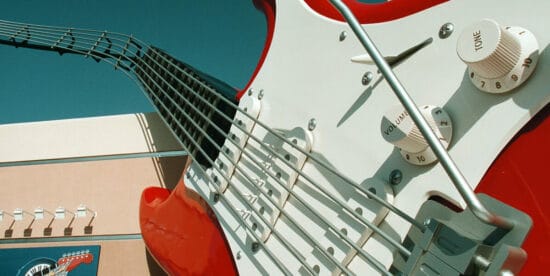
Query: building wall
pixel 109 186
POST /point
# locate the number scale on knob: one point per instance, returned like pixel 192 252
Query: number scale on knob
pixel 399 129
pixel 499 58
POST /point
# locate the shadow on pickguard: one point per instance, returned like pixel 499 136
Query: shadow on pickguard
pixel 360 101
pixel 470 104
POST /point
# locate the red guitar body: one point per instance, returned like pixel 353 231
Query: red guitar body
pixel 181 232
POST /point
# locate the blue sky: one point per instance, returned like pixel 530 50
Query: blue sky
pixel 224 38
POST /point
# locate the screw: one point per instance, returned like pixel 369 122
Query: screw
pixel 255 246
pixel 238 257
pixel 216 197
pixel 427 222
pixel 312 124
pixel 343 35
pixel 395 177
pixel 250 92
pixel 367 78
pixel 446 30
pixel 261 94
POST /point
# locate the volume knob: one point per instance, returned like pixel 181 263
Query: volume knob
pixel 499 59
pixel 399 129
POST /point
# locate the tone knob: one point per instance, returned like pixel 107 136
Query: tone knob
pixel 498 58
pixel 399 129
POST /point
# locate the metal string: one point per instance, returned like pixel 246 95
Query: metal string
pixel 271 131
pixel 212 125
pixel 293 250
pixel 231 207
pixel 250 179
pixel 253 159
pixel 287 163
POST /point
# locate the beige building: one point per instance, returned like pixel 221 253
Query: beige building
pixel 79 181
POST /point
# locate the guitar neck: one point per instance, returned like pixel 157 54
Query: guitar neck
pixel 188 100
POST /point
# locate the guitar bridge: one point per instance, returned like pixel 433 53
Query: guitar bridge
pixel 460 244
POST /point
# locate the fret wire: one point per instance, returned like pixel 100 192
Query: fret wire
pixel 310 156
pixel 366 255
pixel 60 39
pixel 70 48
pixel 123 51
pixel 238 193
pixel 374 228
pixel 76 51
pixel 56 35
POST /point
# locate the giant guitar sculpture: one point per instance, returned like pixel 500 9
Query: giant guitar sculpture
pixel 295 174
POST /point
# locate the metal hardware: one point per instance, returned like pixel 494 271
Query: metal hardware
pixel 367 78
pixel 312 124
pixel 460 244
pixel 255 247
pixel 215 197
pixel 446 30
pixel 447 162
pixel 343 35
pixel 260 94
pixel 395 177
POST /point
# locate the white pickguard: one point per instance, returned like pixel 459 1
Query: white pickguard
pixel 308 74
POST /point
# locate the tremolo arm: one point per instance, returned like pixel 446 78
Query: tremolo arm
pixel 497 234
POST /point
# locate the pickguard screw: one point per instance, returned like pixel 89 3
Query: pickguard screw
pixel 367 78
pixel 395 177
pixel 312 124
pixel 216 197
pixel 261 94
pixel 255 247
pixel 343 35
pixel 238 255
pixel 446 30
pixel 250 92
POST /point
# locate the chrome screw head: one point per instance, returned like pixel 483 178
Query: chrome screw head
pixel 343 35
pixel 446 30
pixel 255 247
pixel 395 177
pixel 367 78
pixel 260 94
pixel 312 124
pixel 216 197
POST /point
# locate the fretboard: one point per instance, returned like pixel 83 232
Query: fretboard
pixel 187 102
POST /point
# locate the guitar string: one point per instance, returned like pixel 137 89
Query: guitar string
pixel 155 72
pixel 235 212
pixel 231 207
pixel 368 193
pixel 256 162
pixel 389 239
pixel 239 192
pixel 250 178
pixel 251 181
